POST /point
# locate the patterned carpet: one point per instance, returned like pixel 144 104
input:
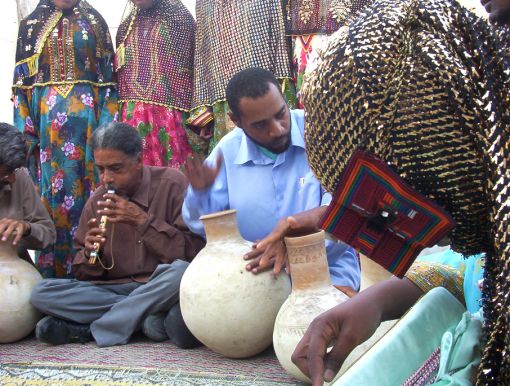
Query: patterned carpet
pixel 139 363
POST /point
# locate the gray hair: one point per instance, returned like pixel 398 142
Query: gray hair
pixel 117 136
pixel 13 150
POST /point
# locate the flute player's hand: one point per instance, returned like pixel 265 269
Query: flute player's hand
pixel 94 235
pixel 119 209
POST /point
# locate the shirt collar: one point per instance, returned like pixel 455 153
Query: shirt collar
pixel 141 195
pixel 248 150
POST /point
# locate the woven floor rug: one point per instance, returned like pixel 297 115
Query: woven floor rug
pixel 139 363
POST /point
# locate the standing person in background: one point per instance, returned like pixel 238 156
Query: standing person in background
pixel 155 50
pixel 233 35
pixel 309 23
pixel 63 89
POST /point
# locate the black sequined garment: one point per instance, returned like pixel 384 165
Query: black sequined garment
pixel 425 85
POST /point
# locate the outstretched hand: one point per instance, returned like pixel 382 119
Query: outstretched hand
pixel 201 175
pixel 271 251
pixel 349 324
pixel 345 327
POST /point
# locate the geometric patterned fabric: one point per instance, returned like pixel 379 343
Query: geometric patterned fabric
pixel 377 213
pixel 155 52
pixel 141 362
pixel 233 35
pixel 306 17
pixel 37 33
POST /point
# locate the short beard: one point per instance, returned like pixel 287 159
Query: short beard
pixel 275 151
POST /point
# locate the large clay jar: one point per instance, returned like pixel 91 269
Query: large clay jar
pixel 17 278
pixel 227 308
pixel 312 294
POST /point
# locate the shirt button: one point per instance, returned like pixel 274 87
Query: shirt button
pixel 139 242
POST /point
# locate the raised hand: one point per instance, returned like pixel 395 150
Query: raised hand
pixel 201 175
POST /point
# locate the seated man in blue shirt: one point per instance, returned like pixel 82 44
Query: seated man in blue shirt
pixel 261 170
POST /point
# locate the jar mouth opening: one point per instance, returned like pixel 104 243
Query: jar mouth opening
pixel 312 238
pixel 223 213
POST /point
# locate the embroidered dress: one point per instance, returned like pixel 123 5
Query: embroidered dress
pixel 233 35
pixel 155 51
pixel 309 22
pixel 471 269
pixel 63 90
pixel 304 48
pixel 306 17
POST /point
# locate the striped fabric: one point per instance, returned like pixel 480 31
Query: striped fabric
pixel 200 118
pixel 376 212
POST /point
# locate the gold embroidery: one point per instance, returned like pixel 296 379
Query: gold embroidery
pixel 306 10
pixel 121 49
pixel 33 61
pixel 429 275
pixel 39 84
pixel 340 9
pixel 63 89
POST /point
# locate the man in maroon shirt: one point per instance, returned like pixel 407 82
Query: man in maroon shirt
pixel 143 251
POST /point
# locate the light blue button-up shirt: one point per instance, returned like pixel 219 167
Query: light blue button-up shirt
pixel 263 191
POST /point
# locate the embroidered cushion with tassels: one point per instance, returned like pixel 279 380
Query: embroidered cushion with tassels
pixel 376 212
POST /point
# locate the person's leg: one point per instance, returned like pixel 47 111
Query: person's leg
pixel 75 300
pixel 177 330
pixel 153 326
pixel 159 294
pixel 71 305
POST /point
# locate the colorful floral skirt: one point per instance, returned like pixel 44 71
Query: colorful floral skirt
pixel 165 142
pixel 58 124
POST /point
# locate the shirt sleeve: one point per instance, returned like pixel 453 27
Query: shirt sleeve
pixel 42 230
pixel 343 263
pixel 428 275
pixel 201 202
pixel 326 198
pixel 169 238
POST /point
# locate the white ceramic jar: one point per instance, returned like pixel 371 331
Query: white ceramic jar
pixel 312 294
pixel 17 279
pixel 230 310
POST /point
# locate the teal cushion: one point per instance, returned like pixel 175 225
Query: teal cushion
pixel 408 345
